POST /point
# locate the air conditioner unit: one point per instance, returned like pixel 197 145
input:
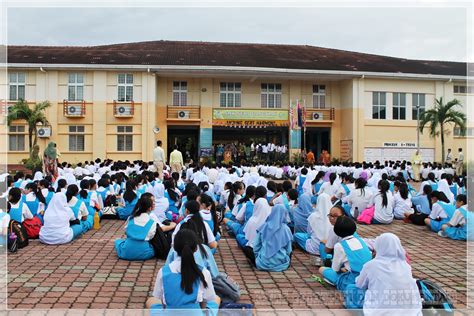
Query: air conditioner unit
pixel 317 116
pixel 44 132
pixel 183 114
pixel 124 110
pixel 74 110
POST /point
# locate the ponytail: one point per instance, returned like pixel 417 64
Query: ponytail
pixel 143 205
pixel 84 186
pixel 185 244
pixel 71 191
pixel 169 186
pixel 129 195
pixel 318 177
pixel 62 184
pixel 235 187
pixel 332 178
pixel 193 208
pixel 384 186
pixel 249 194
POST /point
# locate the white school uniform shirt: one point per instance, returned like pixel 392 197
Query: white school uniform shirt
pixel 458 218
pixel 82 208
pixel 25 212
pixel 279 173
pixel 204 294
pixel 383 214
pixel 358 198
pixel 4 221
pixel 425 172
pixel 437 211
pixel 264 149
pixel 402 206
pixel 341 192
pixel 340 259
pixel 328 188
pixel 31 197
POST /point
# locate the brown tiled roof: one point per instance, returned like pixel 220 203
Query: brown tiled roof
pixel 230 54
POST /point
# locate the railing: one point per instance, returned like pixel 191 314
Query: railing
pixel 124 109
pixel 315 115
pixel 183 113
pixel 5 105
pixel 74 108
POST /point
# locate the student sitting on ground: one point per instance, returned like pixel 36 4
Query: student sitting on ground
pixel 301 213
pixel 422 205
pixel 78 208
pixel 19 211
pixel 350 255
pixel 208 213
pixel 388 280
pixel 130 198
pixel 182 284
pixel 57 229
pixel 272 246
pixel 402 201
pixel 140 229
pixel 383 204
pixel 244 214
pixel 439 214
pixel 457 227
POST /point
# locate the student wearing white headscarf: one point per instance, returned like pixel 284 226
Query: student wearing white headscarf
pixel 388 280
pixel 56 229
pixel 38 176
pixel 161 203
pixel 318 226
pixel 261 211
pixel 443 186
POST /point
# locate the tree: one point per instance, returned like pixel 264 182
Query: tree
pixel 33 116
pixel 439 116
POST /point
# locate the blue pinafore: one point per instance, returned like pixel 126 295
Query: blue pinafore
pixel 300 185
pixel 449 209
pixel 16 213
pixel 32 205
pixel 126 211
pixel 135 247
pixel 465 232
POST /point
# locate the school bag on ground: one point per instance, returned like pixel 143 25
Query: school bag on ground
pixel 434 297
pixel 20 232
pixel 161 243
pixel 109 212
pixel 226 288
pixel 32 227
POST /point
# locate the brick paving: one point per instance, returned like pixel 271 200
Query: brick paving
pixel 88 274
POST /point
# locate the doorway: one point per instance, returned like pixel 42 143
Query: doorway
pixel 187 139
pixel 318 139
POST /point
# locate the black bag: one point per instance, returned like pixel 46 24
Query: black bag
pixel 226 288
pixel 20 232
pixel 161 243
pixel 220 210
pixel 74 222
pixel 433 296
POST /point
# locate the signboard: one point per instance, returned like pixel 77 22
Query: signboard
pixel 250 115
pixel 346 150
pixel 397 145
pixel 205 138
pixel 383 153
pixel 205 152
pixel 249 123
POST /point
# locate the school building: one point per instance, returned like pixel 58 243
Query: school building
pixel 115 101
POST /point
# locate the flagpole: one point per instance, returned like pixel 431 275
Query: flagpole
pixel 304 124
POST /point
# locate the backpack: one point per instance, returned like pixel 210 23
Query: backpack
pixel 433 296
pixel 226 288
pixel 161 243
pixel 220 210
pixel 109 212
pixel 20 232
pixel 32 227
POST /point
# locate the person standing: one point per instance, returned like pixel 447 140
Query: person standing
pixel 460 163
pixel 252 150
pixel 50 161
pixel 265 152
pixel 416 162
pixel 449 156
pixel 176 160
pixel 159 158
pixel 310 156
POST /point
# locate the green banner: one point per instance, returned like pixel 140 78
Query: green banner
pixel 264 115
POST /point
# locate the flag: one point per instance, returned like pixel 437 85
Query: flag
pixel 300 114
pixel 304 114
pixel 291 116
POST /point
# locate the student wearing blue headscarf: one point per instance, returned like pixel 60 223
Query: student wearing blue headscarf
pixel 272 247
pixel 301 213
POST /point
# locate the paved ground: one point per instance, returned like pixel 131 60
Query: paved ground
pixel 88 274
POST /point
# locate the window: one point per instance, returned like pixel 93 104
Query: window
pixel 16 138
pixel 230 94
pixel 76 138
pixel 379 104
pixel 418 100
pixel 464 89
pixel 125 88
pixel 75 87
pixel 124 138
pixel 469 132
pixel 399 106
pixel 319 96
pixel 180 93
pixel 271 95
pixel 17 82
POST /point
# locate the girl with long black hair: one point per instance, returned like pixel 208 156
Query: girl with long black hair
pixel 140 228
pixel 441 211
pixel 208 212
pixel 130 198
pixel 383 203
pixel 402 200
pixel 193 216
pixel 173 195
pixel 78 207
pixel 244 214
pixel 182 284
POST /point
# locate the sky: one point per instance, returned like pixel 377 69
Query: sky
pixel 409 32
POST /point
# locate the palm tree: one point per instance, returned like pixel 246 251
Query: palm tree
pixel 441 115
pixel 33 116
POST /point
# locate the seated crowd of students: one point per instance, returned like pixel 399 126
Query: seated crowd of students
pixel 178 217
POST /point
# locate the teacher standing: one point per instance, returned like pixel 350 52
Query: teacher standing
pixel 159 158
pixel 416 162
